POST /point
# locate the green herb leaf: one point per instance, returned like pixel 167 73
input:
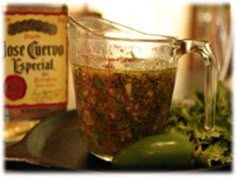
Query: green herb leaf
pixel 212 148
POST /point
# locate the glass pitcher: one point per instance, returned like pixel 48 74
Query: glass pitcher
pixel 124 80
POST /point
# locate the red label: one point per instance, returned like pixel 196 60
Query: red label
pixel 15 87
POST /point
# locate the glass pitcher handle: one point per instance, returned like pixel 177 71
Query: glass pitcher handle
pixel 210 80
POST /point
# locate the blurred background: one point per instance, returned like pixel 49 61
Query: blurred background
pixel 208 22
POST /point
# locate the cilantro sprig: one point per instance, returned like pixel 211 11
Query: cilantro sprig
pixel 211 148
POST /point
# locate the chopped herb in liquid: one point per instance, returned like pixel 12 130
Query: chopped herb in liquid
pixel 116 108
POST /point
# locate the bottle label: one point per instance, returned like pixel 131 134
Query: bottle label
pixel 35 55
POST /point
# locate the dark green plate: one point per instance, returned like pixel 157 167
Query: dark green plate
pixel 54 144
